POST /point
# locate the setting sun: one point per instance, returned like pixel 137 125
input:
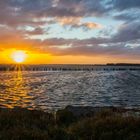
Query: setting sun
pixel 19 56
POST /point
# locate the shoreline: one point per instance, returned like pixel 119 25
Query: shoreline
pixel 77 110
pixel 84 111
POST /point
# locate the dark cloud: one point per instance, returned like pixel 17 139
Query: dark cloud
pixel 12 10
pixel 16 12
pixel 127 32
pixel 128 16
pixel 89 49
pixel 36 31
pixel 30 5
pixel 126 4
pixel 39 8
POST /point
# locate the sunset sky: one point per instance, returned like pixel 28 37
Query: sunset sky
pixel 70 31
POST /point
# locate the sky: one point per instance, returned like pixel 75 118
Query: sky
pixel 71 31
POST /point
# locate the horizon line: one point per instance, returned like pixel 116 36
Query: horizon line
pixel 71 64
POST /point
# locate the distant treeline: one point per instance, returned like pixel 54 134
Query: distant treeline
pixel 122 64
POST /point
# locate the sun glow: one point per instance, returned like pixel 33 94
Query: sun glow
pixel 19 56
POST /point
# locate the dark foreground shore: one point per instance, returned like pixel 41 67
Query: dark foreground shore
pixel 71 123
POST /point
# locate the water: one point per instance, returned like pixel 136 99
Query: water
pixel 55 90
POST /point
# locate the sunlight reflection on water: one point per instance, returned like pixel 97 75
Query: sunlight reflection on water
pixel 15 93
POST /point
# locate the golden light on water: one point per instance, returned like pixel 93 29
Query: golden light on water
pixel 19 56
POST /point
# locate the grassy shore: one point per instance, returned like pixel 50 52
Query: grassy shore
pixel 23 124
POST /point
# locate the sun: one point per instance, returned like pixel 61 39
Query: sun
pixel 19 56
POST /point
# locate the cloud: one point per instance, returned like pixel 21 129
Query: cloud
pixel 76 22
pixel 36 31
pixel 126 4
pixel 88 48
pixel 41 14
pixel 127 32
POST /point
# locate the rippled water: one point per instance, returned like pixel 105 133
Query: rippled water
pixel 54 90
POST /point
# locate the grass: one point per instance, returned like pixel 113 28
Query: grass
pixel 23 124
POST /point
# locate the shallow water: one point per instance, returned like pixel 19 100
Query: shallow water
pixel 54 90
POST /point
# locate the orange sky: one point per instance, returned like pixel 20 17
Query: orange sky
pixel 36 55
pixel 40 58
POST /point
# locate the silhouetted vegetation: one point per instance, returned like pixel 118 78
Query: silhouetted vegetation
pixel 22 124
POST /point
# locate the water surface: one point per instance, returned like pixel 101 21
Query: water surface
pixel 55 90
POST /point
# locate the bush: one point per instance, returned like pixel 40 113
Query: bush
pixel 65 117
pixel 22 124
